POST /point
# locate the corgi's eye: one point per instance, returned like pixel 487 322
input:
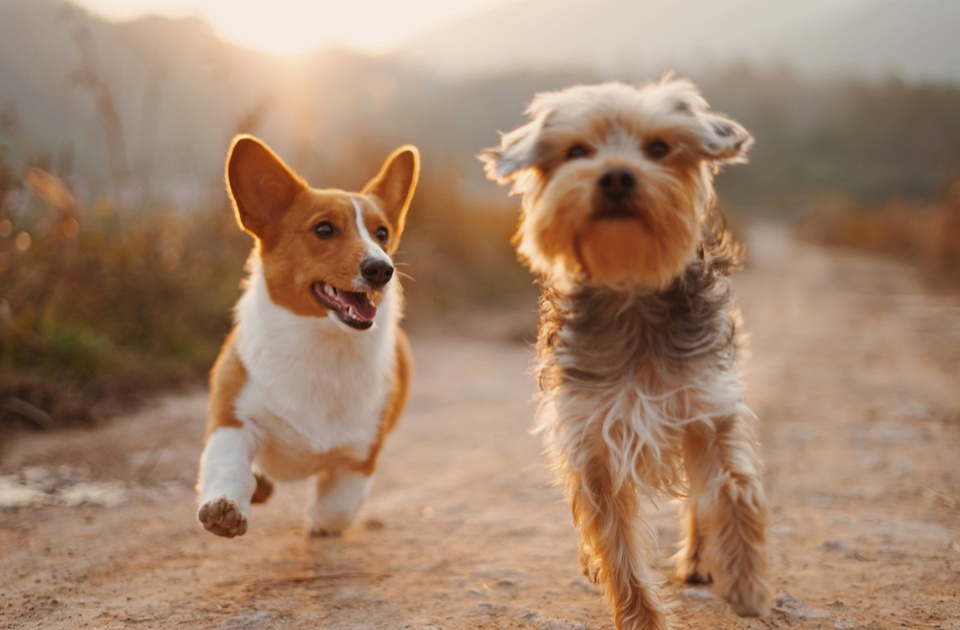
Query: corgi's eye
pixel 325 230
pixel 657 150
pixel 577 151
pixel 382 234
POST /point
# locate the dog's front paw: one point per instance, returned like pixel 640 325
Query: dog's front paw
pixel 223 517
pixel 748 597
pixel 590 566
pixel 691 571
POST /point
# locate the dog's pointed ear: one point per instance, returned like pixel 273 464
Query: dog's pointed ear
pixel 261 186
pixel 518 149
pixel 394 185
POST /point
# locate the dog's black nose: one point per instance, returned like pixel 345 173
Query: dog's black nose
pixel 375 271
pixel 617 183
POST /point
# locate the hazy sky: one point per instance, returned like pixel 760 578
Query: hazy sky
pixel 289 27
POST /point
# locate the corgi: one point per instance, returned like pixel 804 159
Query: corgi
pixel 316 370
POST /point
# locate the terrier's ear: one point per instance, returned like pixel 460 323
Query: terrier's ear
pixel 707 135
pixel 394 186
pixel 722 140
pixel 518 149
pixel 261 186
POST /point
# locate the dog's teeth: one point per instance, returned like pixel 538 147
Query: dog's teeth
pixel 329 290
pixel 352 313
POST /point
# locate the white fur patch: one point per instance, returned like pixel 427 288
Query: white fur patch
pixel 225 467
pixel 314 386
pixel 374 250
pixel 642 429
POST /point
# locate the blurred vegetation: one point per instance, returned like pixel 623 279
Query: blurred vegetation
pixel 98 307
pixel 926 235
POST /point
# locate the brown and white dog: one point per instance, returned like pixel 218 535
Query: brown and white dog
pixel 316 370
pixel 639 333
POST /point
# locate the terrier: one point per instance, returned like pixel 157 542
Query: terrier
pixel 316 370
pixel 637 353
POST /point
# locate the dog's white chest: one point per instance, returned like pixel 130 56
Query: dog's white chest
pixel 313 385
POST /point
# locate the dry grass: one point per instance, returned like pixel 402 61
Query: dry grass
pixel 927 235
pixel 98 307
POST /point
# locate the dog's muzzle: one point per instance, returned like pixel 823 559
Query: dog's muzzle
pixel 617 195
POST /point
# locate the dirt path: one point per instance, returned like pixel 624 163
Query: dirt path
pixel 854 375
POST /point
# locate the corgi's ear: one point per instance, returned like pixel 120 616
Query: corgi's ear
pixel 394 185
pixel 261 186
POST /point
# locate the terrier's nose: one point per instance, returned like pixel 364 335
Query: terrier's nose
pixel 617 183
pixel 377 272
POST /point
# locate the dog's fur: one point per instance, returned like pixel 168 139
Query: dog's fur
pixel 639 333
pixel 316 370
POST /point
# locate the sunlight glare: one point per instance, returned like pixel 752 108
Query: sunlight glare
pixel 292 27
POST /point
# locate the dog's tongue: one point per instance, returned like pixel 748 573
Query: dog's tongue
pixel 362 306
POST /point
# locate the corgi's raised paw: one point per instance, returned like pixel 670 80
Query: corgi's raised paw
pixel 223 518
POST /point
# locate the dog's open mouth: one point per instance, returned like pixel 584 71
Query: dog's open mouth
pixel 356 310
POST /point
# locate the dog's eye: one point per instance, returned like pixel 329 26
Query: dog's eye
pixel 657 150
pixel 325 230
pixel 382 234
pixel 577 151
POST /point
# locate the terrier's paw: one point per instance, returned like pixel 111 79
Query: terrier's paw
pixel 590 567
pixel 691 571
pixel 748 597
pixel 223 517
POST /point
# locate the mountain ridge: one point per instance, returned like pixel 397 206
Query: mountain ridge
pixel 820 37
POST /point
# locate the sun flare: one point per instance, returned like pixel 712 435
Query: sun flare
pixel 292 27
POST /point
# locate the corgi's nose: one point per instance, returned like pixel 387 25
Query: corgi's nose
pixel 376 272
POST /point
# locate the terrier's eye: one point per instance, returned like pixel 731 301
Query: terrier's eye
pixel 657 150
pixel 325 230
pixel 577 151
pixel 382 234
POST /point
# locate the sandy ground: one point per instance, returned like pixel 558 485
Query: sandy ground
pixel 854 375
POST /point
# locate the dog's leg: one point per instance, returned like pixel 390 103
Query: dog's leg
pixel 227 483
pixel 616 534
pixel 335 499
pixel 689 561
pixel 728 514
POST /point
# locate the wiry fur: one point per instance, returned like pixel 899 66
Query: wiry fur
pixel 639 339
